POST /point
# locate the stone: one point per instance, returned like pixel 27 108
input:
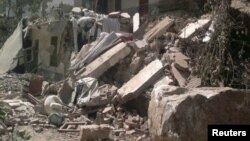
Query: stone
pixel 140 45
pixel 35 86
pixel 95 132
pixel 145 78
pixel 185 116
pixel 111 57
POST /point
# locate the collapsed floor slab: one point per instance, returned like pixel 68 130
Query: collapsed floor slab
pixel 141 81
pixel 159 29
pixel 96 68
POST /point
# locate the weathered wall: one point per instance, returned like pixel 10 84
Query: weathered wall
pixel 45 50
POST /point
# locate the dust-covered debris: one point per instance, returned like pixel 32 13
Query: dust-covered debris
pixel 113 76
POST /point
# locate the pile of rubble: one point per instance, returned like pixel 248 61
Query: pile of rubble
pixel 121 87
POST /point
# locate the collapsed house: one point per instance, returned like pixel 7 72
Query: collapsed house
pixel 42 47
pixel 123 77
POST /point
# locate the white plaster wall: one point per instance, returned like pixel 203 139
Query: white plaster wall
pixel 45 51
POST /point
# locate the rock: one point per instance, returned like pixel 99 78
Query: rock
pixel 140 45
pixel 185 116
pixel 180 76
pixel 94 132
pixel 140 82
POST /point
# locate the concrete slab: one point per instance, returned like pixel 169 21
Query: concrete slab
pixel 159 29
pixel 140 45
pixel 141 81
pixel 111 57
pixel 191 28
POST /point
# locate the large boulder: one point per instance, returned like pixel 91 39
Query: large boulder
pixel 180 114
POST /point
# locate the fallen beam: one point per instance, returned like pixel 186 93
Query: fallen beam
pixel 140 82
pixel 159 29
pixel 191 28
pixel 96 68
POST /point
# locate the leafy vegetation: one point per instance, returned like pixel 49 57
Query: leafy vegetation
pixel 225 60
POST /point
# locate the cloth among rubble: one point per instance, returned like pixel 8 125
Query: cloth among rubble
pixel 104 43
pixel 84 22
pixel 85 88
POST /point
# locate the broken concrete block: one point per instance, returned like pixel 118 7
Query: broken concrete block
pixel 140 45
pixel 95 132
pixel 180 55
pixel 165 80
pixel 107 60
pixel 136 64
pixel 141 81
pixel 181 64
pixel 136 22
pixel 76 10
pixel 108 110
pixel 125 15
pixel 180 76
pixel 185 116
pixel 194 82
pixel 65 92
pixel 159 29
pixel 191 28
pixel 115 14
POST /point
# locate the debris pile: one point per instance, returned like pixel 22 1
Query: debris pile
pixel 97 79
